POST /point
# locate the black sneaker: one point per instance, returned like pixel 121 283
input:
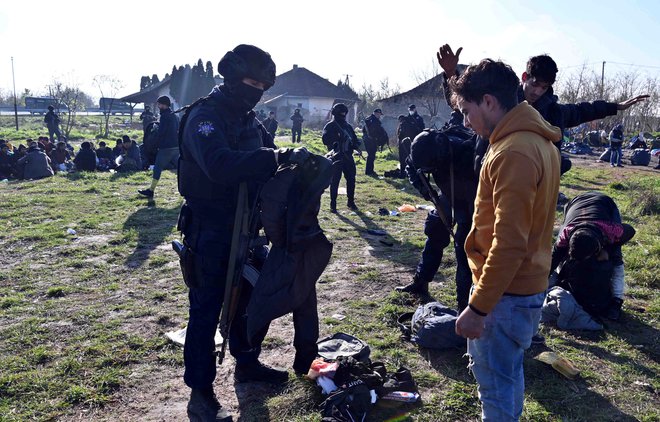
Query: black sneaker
pixel 258 372
pixel 538 339
pixel 203 406
pixel 146 192
pixel 351 205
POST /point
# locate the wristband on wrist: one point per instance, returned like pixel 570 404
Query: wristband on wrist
pixel 477 311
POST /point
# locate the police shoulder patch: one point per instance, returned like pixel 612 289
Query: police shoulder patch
pixel 205 128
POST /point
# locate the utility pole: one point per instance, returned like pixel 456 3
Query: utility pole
pixel 14 81
pixel 602 81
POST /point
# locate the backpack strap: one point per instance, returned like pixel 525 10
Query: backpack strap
pixel 403 321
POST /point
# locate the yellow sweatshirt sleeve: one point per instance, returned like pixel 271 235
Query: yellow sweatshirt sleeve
pixel 514 178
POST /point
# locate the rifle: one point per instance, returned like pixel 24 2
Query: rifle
pixel 237 257
pixel 448 222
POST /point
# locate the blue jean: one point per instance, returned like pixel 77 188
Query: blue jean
pixel 496 358
pixel 615 154
pixel 164 158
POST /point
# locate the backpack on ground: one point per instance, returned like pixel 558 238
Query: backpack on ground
pixel 342 344
pixel 640 157
pixel 432 326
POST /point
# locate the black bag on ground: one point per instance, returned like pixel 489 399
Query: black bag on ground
pixel 432 326
pixel 640 157
pixel 342 344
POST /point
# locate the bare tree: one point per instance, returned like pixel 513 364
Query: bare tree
pixel 108 87
pixel 67 90
pixel 429 89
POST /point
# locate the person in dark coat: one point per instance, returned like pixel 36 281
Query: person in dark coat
pixel 592 232
pixel 453 156
pixel 296 125
pixel 225 153
pixel 130 159
pixel 536 89
pixel 290 203
pixel 416 121
pixel 146 117
pixel 271 124
pixel 7 161
pixel 35 165
pixel 167 141
pixel 118 149
pixel 339 136
pixel 616 143
pixel 61 158
pixel 85 160
pixel 52 121
pixel 105 156
pixel 373 136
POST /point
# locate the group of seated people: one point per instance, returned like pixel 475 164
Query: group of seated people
pixel 42 158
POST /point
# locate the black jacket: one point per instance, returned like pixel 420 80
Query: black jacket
pixel 85 160
pixel 290 203
pixel 220 148
pixel 51 119
pixel 565 116
pixel 167 130
pixel 339 136
pixel 297 119
pixel 374 130
pixel 271 126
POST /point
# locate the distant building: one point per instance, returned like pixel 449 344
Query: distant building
pixel 312 94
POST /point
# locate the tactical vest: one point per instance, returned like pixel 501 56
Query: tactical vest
pixel 243 135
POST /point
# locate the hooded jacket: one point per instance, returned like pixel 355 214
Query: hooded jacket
pixel 36 164
pixel 509 246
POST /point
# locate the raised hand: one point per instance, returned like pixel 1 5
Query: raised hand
pixel 447 60
pixel 626 104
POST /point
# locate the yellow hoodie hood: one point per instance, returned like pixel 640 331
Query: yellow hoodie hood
pixel 510 243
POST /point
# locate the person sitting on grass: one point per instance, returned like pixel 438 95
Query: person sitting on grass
pixel 105 156
pixel 35 165
pixel 118 149
pixel 129 160
pixel 61 158
pixel 86 158
pixel 7 160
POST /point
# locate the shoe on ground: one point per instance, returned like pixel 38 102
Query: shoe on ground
pixel 619 165
pixel 203 406
pixel 258 372
pixel 146 192
pixel 416 287
pixel 333 207
pixel 614 310
pixel 352 205
pixel 538 339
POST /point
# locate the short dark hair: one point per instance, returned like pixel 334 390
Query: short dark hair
pixel 542 68
pixel 488 77
pixel 583 243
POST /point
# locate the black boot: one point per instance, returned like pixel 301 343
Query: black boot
pixel 258 372
pixel 351 205
pixel 417 287
pixel 614 310
pixel 203 406
pixel 333 206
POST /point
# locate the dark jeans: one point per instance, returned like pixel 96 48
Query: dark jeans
pixel 212 248
pixel 54 131
pixel 438 239
pixel 296 131
pixel 164 159
pixel 404 152
pixel 371 148
pixel 347 167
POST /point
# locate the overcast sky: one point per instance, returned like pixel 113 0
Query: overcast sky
pixel 73 40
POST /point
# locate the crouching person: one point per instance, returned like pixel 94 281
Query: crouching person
pixel 587 254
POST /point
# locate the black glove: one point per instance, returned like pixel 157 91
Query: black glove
pixel 291 155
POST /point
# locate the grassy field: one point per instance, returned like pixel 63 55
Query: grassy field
pixel 83 316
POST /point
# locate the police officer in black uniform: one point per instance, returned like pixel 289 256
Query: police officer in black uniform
pixel 453 156
pixel 222 145
pixel 416 121
pixel 374 134
pixel 339 136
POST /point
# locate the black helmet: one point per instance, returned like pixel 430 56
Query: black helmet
pixel 339 108
pixel 429 150
pixel 248 61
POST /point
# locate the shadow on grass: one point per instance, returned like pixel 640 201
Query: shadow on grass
pixel 638 334
pixel 152 224
pixel 383 247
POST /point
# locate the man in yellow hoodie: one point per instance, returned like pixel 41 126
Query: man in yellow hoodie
pixel 510 244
